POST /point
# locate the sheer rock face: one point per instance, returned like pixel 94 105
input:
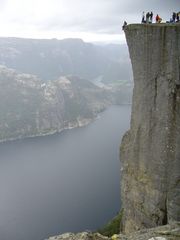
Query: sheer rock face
pixel 150 150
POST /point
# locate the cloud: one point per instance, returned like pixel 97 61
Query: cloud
pixel 54 17
pixel 2 4
pixel 104 16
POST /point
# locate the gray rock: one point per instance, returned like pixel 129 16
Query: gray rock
pixel 79 236
pixel 150 150
pixel 167 232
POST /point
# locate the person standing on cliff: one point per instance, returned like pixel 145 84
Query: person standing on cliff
pixel 143 18
pixel 177 16
pixel 147 17
pixel 174 17
pixel 124 25
pixel 151 17
pixel 157 18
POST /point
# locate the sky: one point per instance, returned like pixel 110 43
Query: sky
pixel 90 20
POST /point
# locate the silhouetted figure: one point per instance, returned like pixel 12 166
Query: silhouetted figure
pixel 147 17
pixel 143 18
pixel 151 17
pixel 174 16
pixel 178 16
pixel 124 25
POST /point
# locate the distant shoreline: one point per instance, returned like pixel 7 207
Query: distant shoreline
pixel 79 125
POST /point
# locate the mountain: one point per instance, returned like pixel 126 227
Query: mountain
pixel 29 107
pixel 43 86
pixel 50 59
pixel 150 150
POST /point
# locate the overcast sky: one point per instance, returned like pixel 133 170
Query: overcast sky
pixel 91 20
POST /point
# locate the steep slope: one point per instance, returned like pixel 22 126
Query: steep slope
pixel 29 107
pixel 150 150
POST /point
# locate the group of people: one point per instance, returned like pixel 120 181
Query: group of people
pixel 175 17
pixel 148 18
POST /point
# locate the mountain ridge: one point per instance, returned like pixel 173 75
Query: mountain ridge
pixel 29 107
pixel 51 58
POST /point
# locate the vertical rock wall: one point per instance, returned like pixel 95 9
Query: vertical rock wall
pixel 150 150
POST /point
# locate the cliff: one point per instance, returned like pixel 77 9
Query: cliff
pixel 29 107
pixel 150 150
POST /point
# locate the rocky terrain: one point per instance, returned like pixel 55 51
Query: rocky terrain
pixel 168 232
pixel 150 150
pixel 29 107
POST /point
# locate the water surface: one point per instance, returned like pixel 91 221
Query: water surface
pixel 64 182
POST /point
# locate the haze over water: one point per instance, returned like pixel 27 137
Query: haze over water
pixel 65 182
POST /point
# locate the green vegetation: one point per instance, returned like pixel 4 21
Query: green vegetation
pixel 112 227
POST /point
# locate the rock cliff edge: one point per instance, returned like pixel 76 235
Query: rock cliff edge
pixel 150 150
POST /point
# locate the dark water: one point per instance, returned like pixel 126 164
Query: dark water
pixel 65 182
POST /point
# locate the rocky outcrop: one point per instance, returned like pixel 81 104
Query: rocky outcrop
pixel 150 150
pixel 79 236
pixel 29 107
pixel 168 232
